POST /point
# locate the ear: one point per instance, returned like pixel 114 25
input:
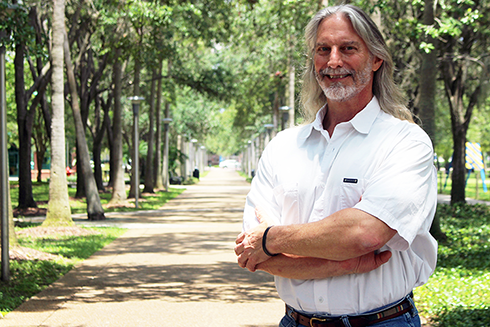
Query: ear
pixel 377 63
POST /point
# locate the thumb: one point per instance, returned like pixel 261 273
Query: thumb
pixel 383 257
pixel 239 239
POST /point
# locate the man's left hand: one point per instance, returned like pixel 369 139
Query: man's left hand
pixel 249 244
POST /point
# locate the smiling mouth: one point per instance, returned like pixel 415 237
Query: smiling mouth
pixel 337 76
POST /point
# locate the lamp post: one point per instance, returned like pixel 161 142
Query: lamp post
pixel 166 121
pixel 249 158
pixel 136 100
pixel 285 115
pixel 202 158
pixel 193 155
pixel 3 165
pixel 4 177
pixel 268 128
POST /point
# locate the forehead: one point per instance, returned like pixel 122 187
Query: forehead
pixel 337 28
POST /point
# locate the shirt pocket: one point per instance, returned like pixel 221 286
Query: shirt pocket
pixel 287 198
pixel 351 191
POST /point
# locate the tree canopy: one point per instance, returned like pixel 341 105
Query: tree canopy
pixel 226 69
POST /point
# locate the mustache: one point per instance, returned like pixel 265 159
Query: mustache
pixel 337 71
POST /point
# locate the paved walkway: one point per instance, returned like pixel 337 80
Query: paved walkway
pixel 173 267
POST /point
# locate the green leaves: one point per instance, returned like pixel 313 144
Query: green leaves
pixel 458 294
pixel 426 47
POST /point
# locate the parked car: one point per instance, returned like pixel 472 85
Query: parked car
pixel 229 163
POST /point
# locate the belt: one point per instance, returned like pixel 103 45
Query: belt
pixel 355 321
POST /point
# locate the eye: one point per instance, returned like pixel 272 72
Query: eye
pixel 349 48
pixel 322 49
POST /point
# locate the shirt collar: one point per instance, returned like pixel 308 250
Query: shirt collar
pixel 362 122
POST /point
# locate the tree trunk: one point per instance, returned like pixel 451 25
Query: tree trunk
pixel 80 193
pixel 24 124
pixel 149 179
pixel 89 75
pixel 292 72
pixel 110 144
pixel 40 152
pixel 455 77
pixel 426 102
pixel 98 136
pixel 136 92
pixel 96 152
pixel 458 192
pixel 427 78
pixel 36 22
pixel 275 114
pixel 41 139
pixel 165 162
pixel 119 187
pixel 94 207
pixel 157 166
pixel 59 212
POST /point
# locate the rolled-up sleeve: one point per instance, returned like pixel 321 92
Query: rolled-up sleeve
pixel 403 191
pixel 261 193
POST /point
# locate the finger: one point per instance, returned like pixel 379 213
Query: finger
pixel 251 265
pixel 242 261
pixel 239 238
pixel 238 249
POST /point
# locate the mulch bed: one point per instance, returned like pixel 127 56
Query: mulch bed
pixel 30 212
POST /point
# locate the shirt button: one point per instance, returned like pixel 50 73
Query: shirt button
pixel 320 299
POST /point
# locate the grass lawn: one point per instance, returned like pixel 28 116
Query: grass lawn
pixel 458 294
pixel 472 191
pixel 29 277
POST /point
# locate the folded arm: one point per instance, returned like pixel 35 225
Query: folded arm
pixel 346 234
pixel 296 267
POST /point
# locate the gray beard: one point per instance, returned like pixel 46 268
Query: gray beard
pixel 340 92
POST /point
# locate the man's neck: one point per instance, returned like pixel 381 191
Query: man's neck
pixel 340 112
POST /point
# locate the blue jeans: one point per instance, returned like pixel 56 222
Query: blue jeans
pixel 408 319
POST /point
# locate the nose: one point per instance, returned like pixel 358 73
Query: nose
pixel 335 58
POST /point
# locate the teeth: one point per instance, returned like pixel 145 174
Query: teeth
pixel 337 76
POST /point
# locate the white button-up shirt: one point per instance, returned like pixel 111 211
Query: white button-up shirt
pixel 375 163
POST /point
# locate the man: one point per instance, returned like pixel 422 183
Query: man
pixel 340 209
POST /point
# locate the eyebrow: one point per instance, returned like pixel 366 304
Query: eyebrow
pixel 343 44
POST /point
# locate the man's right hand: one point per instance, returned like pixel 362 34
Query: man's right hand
pixel 365 263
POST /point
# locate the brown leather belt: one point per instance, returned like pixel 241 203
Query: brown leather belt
pixel 355 321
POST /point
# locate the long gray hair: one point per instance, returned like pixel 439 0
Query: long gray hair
pixel 390 97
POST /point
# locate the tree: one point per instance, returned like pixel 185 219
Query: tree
pixel 26 107
pixel 463 27
pixel 138 14
pixel 157 165
pixel 91 59
pixel 59 213
pixel 426 104
pixel 41 141
pixel 149 178
pixel 94 207
pixel 117 172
